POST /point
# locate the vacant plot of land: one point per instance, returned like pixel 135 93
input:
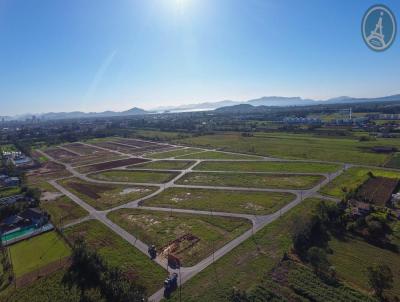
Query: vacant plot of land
pixel 134 176
pixel 83 149
pixel 61 154
pixel 63 210
pixel 174 153
pixel 218 155
pixel 248 180
pixel 352 179
pixel 34 253
pixel 257 203
pixel 47 170
pixel 116 147
pixel 203 233
pixel 96 159
pixel 247 264
pixel 105 196
pixel 138 143
pixel 119 253
pixel 112 164
pixel 267 166
pixel 300 146
pixel 165 165
pixel 352 256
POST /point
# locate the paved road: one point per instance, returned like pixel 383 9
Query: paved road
pixel 187 273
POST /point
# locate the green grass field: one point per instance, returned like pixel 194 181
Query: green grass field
pixel 164 165
pixel 105 196
pixel 46 289
pixel 7 148
pixel 217 155
pixel 63 210
pixel 134 176
pixel 247 264
pixel 34 253
pixel 272 181
pixel 159 135
pixel 394 162
pixel 160 228
pixel 266 166
pixel 173 153
pixel 298 146
pixel 352 256
pixel 5 192
pixel 257 203
pixel 119 253
pixel 352 178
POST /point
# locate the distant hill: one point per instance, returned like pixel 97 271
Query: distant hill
pixel 78 114
pixel 277 101
pixel 265 102
pixel 227 105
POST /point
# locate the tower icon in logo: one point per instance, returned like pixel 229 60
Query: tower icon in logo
pixel 379 28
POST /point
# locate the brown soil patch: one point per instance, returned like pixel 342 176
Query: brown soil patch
pixel 179 245
pixel 115 164
pixel 90 190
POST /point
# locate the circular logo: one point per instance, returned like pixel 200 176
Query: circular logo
pixel 379 27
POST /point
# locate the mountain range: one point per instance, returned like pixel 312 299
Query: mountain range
pixel 275 101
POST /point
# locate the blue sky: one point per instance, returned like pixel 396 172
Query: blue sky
pixel 94 55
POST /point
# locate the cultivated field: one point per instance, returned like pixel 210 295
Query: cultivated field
pixel 254 203
pixel 352 256
pixel 271 181
pixel 352 178
pixel 203 234
pixel 105 196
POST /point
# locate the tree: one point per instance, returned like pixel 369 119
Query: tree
pixel 380 278
pixel 85 270
pixel 115 287
pixel 318 259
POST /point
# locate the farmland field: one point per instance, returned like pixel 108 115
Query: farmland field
pixel 104 196
pixel 267 166
pixel 160 228
pixel 352 256
pixel 46 289
pixel 257 203
pixel 63 210
pixel 352 178
pixel 248 263
pixel 298 146
pixel 165 165
pixel 173 153
pixel 277 181
pixel 134 176
pixel 119 253
pixel 217 155
pixel 34 253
